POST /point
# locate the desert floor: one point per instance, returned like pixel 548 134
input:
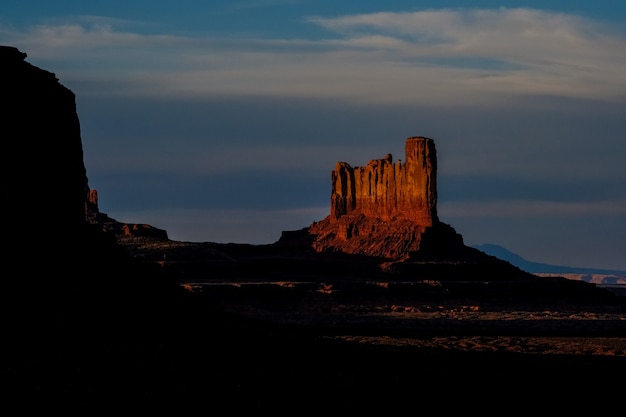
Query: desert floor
pixel 324 354
pixel 448 325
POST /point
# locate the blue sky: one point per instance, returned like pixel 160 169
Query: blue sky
pixel 221 121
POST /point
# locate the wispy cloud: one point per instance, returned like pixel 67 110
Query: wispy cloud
pixel 533 208
pixel 436 56
pixel 255 4
pixel 70 38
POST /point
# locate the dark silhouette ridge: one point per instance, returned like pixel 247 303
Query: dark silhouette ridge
pixel 530 266
pixel 96 322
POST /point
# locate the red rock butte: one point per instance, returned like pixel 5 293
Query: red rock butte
pixel 384 208
pixel 389 190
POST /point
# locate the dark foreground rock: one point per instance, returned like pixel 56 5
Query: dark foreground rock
pixel 203 360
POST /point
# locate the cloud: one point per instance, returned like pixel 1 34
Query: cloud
pixel 434 57
pixel 546 52
pixel 84 34
pixel 511 209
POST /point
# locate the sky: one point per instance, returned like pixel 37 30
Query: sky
pixel 221 121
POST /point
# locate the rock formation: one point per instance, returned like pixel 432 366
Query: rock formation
pixel 108 224
pixel 386 209
pixel 42 143
pixel 388 190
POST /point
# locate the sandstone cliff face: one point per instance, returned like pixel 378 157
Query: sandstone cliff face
pixel 386 190
pixel 385 209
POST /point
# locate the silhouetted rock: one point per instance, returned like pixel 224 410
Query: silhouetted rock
pixel 44 173
pixel 61 262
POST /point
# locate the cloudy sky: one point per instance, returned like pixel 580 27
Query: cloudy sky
pixel 221 121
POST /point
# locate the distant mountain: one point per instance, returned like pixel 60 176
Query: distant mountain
pixel 536 267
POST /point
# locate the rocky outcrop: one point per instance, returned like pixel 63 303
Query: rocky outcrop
pixel 120 229
pixel 144 230
pixel 386 190
pixel 91 203
pixel 386 209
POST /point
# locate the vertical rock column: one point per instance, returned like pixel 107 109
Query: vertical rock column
pixel 342 199
pixel 386 190
pixel 417 197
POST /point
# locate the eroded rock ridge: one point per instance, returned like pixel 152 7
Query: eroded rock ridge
pixel 386 208
pixel 389 190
